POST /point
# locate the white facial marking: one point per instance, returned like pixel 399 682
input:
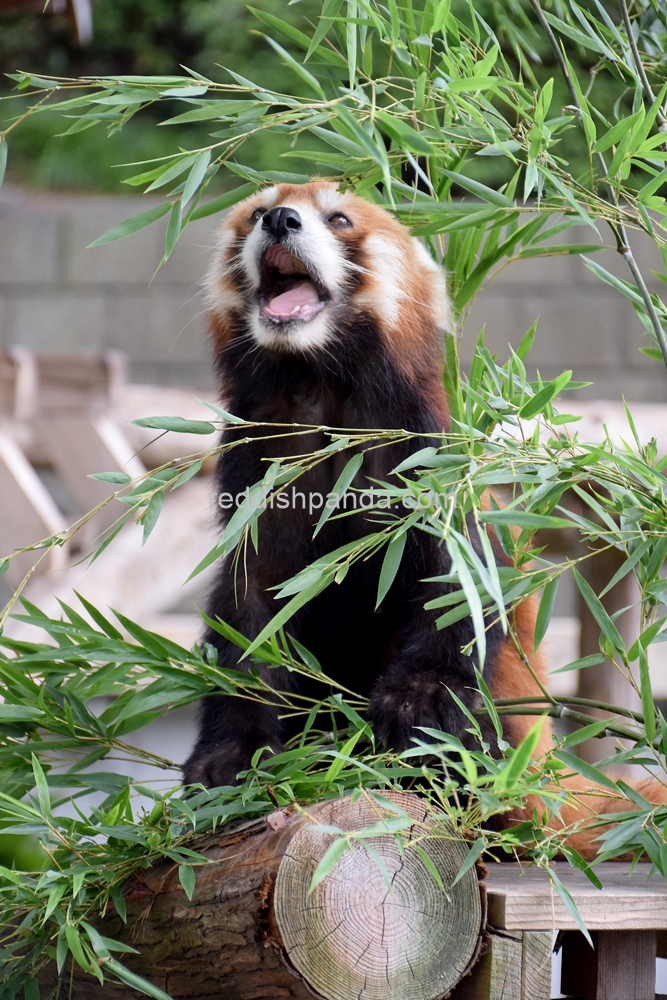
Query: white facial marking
pixel 329 199
pixel 440 300
pixel 424 256
pixel 386 264
pixel 269 196
pixel 317 247
pixel 295 338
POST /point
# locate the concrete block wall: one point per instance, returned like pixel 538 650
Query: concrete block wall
pixel 55 294
pixel 583 323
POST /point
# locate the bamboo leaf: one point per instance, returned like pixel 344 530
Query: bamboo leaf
pixel 196 175
pixel 599 613
pixel 390 566
pixel 186 876
pixel 586 770
pixel 173 229
pixel 3 158
pixel 284 615
pixel 526 344
pixel 520 758
pixel 330 10
pixel 481 190
pixel 626 566
pixel 569 904
pixel 177 424
pixel 405 135
pixel 120 478
pixel 340 488
pixel 473 854
pixel 31 989
pixel 42 787
pixel 152 514
pixel 300 70
pixel 328 862
pixel 460 568
pixel 586 733
pixel 133 225
pixel 523 519
pixel 545 611
pixel 648 705
pixel 342 758
pixel 136 982
pixel 172 171
pixel 187 91
pixel 537 403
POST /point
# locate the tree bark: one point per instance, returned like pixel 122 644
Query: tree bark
pixel 252 930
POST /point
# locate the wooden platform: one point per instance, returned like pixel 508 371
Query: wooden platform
pixel 627 921
pixel 524 899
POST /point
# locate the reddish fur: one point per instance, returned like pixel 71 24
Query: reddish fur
pixel 412 337
pixel 410 341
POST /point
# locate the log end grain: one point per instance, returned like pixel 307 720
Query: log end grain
pixel 366 933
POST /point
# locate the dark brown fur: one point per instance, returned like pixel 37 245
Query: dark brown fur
pixel 376 362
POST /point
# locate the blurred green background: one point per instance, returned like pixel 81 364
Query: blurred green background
pixel 160 36
pixel 132 37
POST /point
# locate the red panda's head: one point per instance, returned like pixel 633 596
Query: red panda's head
pixel 296 263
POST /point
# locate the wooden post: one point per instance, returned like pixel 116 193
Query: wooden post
pixel 621 966
pixel 515 965
pixel 76 395
pixel 252 930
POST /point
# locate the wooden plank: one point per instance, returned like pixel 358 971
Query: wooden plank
pixel 620 967
pixel 77 447
pixel 498 973
pixel 521 898
pixel 28 513
pixel 536 961
pixel 79 384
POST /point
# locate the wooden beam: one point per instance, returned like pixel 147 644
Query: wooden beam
pixel 28 512
pixel 521 898
pixel 77 447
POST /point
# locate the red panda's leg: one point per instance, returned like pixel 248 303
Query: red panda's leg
pixel 424 667
pixel 232 728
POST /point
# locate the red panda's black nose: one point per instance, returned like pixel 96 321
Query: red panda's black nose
pixel 281 221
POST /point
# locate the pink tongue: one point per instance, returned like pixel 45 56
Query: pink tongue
pixel 300 302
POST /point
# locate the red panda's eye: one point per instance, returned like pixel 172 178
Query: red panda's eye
pixel 257 214
pixel 339 221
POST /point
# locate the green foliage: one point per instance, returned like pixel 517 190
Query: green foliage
pixel 401 105
pixel 145 37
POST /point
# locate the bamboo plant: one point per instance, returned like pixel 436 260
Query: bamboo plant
pixel 404 103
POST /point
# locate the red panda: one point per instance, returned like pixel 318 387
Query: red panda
pixel 325 311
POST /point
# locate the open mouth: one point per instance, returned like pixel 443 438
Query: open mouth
pixel 287 291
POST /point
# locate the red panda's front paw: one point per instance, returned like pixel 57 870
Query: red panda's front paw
pixel 400 705
pixel 220 764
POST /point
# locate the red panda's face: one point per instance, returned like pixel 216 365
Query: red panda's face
pixel 298 262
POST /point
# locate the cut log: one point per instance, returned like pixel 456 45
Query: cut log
pixel 378 925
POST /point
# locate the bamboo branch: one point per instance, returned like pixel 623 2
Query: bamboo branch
pixel 641 72
pixel 619 231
